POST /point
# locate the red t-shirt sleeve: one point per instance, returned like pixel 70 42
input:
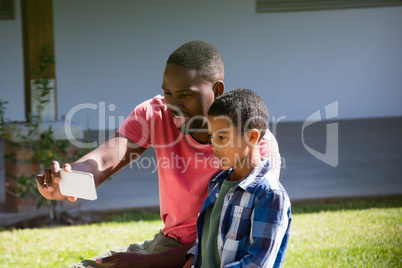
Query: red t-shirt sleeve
pixel 137 126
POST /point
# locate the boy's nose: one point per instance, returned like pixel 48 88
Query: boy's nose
pixel 214 149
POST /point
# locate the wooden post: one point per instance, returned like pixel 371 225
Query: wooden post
pixel 37 32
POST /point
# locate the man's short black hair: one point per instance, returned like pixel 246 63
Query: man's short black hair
pixel 201 56
pixel 244 108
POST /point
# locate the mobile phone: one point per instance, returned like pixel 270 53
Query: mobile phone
pixel 78 184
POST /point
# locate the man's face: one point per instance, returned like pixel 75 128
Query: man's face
pixel 187 96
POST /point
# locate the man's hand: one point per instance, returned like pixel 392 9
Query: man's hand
pixel 171 258
pixel 102 162
pixel 125 260
pixel 189 262
pixel 48 183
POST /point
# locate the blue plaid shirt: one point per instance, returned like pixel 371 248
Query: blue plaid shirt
pixel 255 220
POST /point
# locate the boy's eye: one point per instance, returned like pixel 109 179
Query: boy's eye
pixel 167 93
pixel 222 137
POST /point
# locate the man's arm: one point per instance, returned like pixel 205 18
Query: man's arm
pixel 102 162
pixel 174 257
pixel 269 148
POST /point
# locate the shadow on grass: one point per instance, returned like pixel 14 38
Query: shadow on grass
pixel 152 214
pixel 133 216
pixel 66 219
pixel 355 203
pixel 308 206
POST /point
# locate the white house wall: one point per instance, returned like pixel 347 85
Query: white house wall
pixel 11 66
pixel 110 56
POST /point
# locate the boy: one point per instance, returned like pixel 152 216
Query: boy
pixel 175 125
pixel 245 220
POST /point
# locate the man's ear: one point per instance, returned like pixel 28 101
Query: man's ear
pixel 218 88
pixel 253 136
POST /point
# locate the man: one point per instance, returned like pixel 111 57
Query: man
pixel 176 126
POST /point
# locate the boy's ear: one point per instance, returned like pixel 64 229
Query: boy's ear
pixel 218 88
pixel 253 136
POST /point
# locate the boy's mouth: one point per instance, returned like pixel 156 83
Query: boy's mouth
pixel 217 162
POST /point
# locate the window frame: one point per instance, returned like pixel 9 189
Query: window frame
pixel 7 9
pixel 264 6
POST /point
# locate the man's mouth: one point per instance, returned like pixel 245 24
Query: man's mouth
pixel 180 120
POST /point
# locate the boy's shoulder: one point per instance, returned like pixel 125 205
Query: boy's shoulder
pixel 267 183
pixel 269 180
pixel 260 181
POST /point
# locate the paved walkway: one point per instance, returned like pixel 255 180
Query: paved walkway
pixel 370 164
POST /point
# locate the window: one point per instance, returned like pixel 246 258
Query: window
pixel 303 5
pixel 6 9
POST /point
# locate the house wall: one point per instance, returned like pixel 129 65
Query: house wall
pixel 110 56
pixel 11 65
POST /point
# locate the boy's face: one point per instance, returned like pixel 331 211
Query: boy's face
pixel 187 97
pixel 228 145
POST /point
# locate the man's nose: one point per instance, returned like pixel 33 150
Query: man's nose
pixel 177 103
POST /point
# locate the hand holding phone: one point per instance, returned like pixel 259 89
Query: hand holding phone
pixel 78 184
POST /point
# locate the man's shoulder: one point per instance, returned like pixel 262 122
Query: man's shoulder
pixel 151 108
pixel 156 102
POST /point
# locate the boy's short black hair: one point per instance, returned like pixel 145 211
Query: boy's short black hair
pixel 201 56
pixel 244 108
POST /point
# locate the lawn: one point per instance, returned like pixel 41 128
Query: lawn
pixel 365 233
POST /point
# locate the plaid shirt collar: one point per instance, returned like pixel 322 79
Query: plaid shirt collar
pixel 249 182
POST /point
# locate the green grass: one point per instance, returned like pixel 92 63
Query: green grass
pixel 352 234
pixel 366 233
pixel 64 246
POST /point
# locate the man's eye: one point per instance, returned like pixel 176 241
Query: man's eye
pixel 222 137
pixel 167 93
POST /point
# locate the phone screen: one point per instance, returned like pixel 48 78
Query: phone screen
pixel 78 184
